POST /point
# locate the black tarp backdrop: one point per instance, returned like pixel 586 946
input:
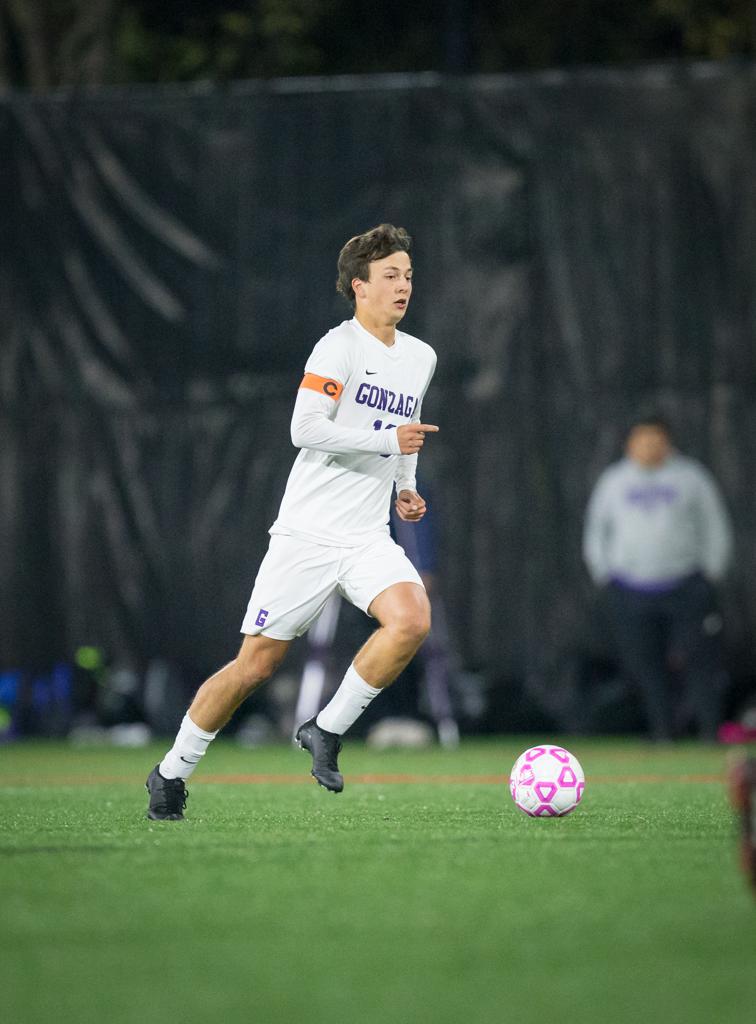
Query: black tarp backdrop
pixel 584 247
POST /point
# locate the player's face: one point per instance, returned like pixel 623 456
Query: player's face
pixel 648 446
pixel 384 297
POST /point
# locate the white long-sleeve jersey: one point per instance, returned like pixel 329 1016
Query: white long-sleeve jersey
pixel 354 393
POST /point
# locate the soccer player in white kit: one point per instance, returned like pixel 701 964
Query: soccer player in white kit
pixel 357 424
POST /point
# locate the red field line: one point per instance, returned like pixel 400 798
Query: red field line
pixel 368 779
pixel 478 780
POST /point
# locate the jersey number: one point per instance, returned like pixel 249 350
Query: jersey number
pixel 378 425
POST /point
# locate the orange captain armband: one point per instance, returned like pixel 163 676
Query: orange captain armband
pixel 323 385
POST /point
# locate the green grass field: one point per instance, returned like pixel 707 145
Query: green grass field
pixel 430 900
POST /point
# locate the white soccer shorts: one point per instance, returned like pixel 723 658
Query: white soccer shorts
pixel 297 577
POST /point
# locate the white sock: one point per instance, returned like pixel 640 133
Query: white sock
pixel 347 704
pixel 188 749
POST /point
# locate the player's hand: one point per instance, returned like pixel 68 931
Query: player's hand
pixel 410 506
pixel 412 435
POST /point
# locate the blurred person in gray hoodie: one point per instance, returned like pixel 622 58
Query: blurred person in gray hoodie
pixel 657 538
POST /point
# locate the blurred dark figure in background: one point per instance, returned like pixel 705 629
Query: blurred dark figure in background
pixel 657 537
pixel 420 543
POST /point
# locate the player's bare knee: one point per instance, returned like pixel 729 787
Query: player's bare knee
pixel 410 628
pixel 420 627
pixel 257 662
pixel 262 668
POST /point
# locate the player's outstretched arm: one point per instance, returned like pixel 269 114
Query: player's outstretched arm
pixel 411 436
pixel 312 427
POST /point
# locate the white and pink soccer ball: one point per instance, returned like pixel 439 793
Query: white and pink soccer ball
pixel 547 782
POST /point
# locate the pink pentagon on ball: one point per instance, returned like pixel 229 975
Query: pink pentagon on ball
pixel 545 811
pixel 545 790
pixel 560 754
pixel 535 752
pixel 567 776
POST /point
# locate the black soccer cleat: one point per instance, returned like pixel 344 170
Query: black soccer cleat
pixel 743 794
pixel 167 797
pixel 324 747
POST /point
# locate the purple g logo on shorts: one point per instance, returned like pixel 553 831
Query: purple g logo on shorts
pixel 261 617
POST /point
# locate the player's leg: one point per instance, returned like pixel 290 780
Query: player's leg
pixel 404 616
pixel 220 695
pixel 403 612
pixel 216 700
pixel 213 705
pixel 382 582
pixel 294 582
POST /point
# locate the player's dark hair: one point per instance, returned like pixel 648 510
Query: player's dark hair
pixel 362 250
